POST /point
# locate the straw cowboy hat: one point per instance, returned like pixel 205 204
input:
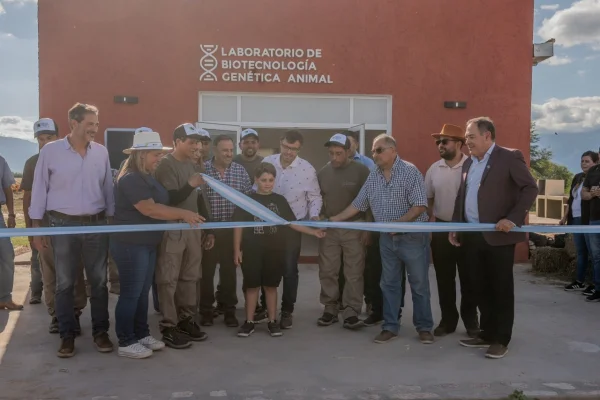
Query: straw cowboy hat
pixel 451 132
pixel 146 139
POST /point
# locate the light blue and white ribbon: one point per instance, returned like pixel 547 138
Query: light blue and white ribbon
pixel 271 219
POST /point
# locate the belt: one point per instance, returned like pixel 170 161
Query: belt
pixel 78 218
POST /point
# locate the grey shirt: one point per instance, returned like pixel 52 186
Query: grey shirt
pixel 249 166
pixel 6 179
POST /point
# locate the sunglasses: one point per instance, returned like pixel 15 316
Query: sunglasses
pixel 380 150
pixel 443 141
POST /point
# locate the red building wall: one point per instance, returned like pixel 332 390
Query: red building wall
pixel 422 52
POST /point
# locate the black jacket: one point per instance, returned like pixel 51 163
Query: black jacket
pixel 585 204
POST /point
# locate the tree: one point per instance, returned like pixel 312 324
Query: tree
pixel 541 164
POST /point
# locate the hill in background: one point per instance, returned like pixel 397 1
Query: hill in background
pixel 16 152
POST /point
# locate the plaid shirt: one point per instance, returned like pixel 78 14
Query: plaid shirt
pixel 236 177
pixel 391 200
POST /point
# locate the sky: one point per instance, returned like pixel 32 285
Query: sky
pixel 565 94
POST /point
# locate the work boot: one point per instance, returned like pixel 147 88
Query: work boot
pixel 67 348
pixel 103 343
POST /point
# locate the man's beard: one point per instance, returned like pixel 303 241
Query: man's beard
pixel 448 155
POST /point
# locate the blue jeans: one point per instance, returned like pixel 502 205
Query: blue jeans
pixel 594 239
pixel 289 295
pixel 36 284
pixel 7 265
pixel 405 253
pixel 69 251
pixel 136 263
pixel 582 245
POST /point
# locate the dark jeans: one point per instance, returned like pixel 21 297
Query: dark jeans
pixel 221 254
pixel 491 271
pixel 136 263
pixel 69 251
pixel 290 275
pixel 594 240
pixel 582 245
pixel 155 295
pixel 446 259
pixel 36 284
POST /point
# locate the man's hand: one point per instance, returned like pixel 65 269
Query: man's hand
pixel 209 242
pixel 366 238
pixel 195 180
pixel 11 222
pixel 563 221
pixel 453 238
pixel 505 225
pixel 317 218
pixel 595 191
pixel 237 257
pixel 40 243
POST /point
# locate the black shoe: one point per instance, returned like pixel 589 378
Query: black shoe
pixel 594 297
pixel 274 329
pixel 174 338
pixel 590 290
pixel 246 330
pixel 231 320
pixel 260 316
pixel 53 328
pixel 191 328
pixel 327 319
pixel 353 323
pixel 219 310
pixel 286 320
pixel 77 326
pixel 373 320
pixel 442 330
pixel 207 318
pixel 575 286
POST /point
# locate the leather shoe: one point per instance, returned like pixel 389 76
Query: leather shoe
pixel 67 348
pixel 11 306
pixel 103 343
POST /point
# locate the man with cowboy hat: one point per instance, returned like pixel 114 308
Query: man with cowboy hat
pixel 442 181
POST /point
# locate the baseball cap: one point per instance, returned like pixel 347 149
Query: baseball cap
pixel 185 131
pixel 45 125
pixel 339 139
pixel 204 135
pixel 249 132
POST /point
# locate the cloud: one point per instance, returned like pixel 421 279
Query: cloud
pixel 581 72
pixel 570 115
pixel 550 6
pixel 573 26
pixel 19 18
pixel 17 127
pixel 557 60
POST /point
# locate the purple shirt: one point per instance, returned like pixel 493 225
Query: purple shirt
pixel 66 182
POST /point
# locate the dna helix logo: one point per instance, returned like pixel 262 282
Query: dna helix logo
pixel 208 62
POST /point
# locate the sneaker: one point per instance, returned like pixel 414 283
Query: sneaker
pixel 53 328
pixel 353 323
pixel 67 348
pixel 260 316
pixel 207 318
pixel 373 320
pixel 246 330
pixel 590 290
pixel 231 320
pixel 442 330
pixel 191 328
pixel 151 343
pixel 174 338
pixel 594 297
pixel 135 350
pixel 496 351
pixel 103 343
pixel 385 336
pixel 426 337
pixel 35 299
pixel 327 319
pixel 575 286
pixel 477 343
pixel 286 320
pixel 274 329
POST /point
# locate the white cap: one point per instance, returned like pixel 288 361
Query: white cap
pixel 204 134
pixel 146 140
pixel 44 125
pixel 249 132
pixel 339 139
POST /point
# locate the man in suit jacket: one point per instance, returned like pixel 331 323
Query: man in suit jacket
pixel 496 187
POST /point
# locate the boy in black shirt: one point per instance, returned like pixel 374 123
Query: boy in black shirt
pixel 591 192
pixel 262 249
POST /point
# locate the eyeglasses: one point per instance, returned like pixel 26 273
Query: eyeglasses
pixel 380 150
pixel 288 148
pixel 443 141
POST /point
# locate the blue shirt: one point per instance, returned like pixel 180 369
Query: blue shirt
pixel 364 160
pixel 6 179
pixel 391 200
pixel 474 176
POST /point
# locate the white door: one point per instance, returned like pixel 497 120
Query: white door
pixel 361 134
pixel 232 131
